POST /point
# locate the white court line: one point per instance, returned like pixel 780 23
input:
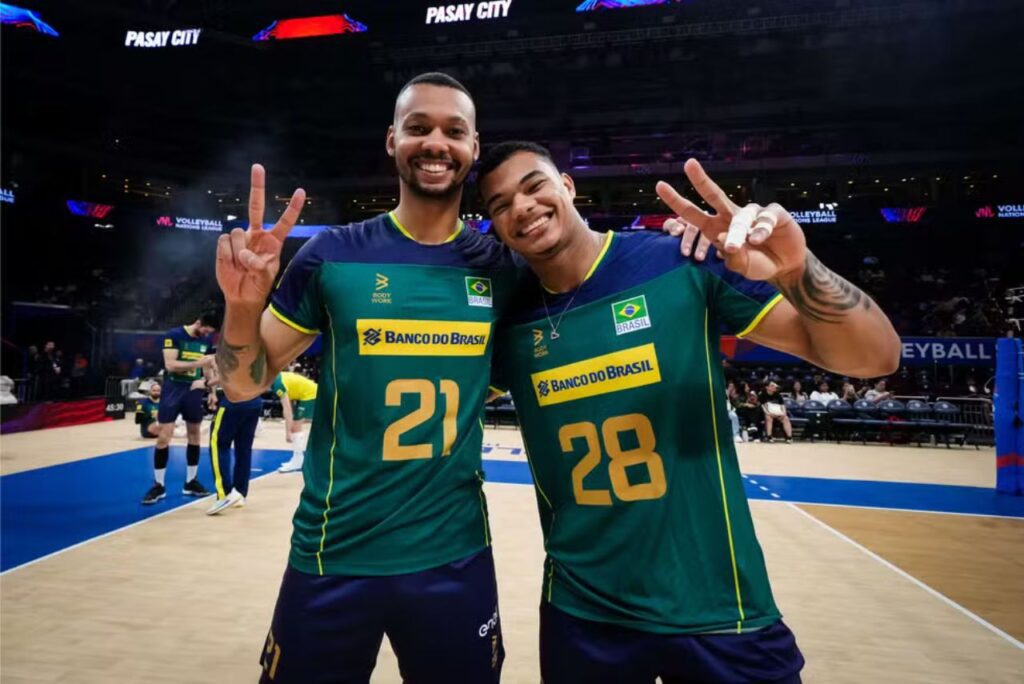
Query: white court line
pixel 774 495
pixel 115 531
pixel 908 510
pixel 101 536
pixel 902 573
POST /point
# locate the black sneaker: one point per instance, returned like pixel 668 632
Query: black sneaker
pixel 194 488
pixel 155 493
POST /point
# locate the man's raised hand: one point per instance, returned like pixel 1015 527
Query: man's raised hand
pixel 248 260
pixel 759 243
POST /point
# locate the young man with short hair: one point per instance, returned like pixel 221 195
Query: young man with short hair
pixel 187 351
pixel 653 569
pixel 391 533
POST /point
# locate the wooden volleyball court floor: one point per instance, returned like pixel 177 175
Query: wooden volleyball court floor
pixel 891 564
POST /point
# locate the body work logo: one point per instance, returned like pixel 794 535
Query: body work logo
pixel 630 315
pixel 393 337
pixel 540 350
pixel 621 370
pixel 380 294
pixel 478 292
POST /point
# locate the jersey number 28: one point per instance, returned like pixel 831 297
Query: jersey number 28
pixel 620 459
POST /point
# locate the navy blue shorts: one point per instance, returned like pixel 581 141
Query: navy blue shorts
pixel 574 650
pixel 442 624
pixel 179 398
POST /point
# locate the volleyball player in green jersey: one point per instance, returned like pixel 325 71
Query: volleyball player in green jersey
pixel 611 350
pixel 391 533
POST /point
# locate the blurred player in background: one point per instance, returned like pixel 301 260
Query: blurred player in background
pixel 291 386
pixel 187 351
pixel 234 425
pixel 146 412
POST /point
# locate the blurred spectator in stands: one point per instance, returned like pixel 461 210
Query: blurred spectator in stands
pixel 738 435
pixel 748 409
pixel 732 393
pixel 63 375
pixel 7 391
pixel 78 373
pixel 823 394
pixel 848 393
pixel 48 372
pixel 799 396
pixel 878 393
pixel 774 408
pixel 138 370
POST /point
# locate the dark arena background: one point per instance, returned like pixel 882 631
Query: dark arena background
pixel 893 131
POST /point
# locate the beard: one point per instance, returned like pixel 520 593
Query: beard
pixel 408 175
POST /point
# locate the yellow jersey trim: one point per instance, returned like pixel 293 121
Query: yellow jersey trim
pixel 290 323
pixel 334 444
pixel 218 479
pixel 597 262
pixel 765 310
pixel 721 480
pixel 401 229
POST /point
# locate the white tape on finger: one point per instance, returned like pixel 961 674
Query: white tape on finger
pixel 766 221
pixel 739 227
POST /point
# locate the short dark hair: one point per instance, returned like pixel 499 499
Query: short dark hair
pixel 495 156
pixel 436 78
pixel 210 318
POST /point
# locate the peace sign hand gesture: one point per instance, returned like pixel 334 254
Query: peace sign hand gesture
pixel 759 243
pixel 248 260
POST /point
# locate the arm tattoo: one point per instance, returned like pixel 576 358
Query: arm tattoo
pixel 822 295
pixel 227 357
pixel 258 367
pixel 227 361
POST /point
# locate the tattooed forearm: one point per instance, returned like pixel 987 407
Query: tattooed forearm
pixel 228 363
pixel 227 357
pixel 822 295
pixel 258 368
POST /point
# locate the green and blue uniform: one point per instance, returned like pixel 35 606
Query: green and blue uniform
pixel 146 414
pixel 177 396
pixel 393 481
pixel 299 389
pixel 642 505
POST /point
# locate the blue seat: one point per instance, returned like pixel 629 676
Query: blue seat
pixel 843 420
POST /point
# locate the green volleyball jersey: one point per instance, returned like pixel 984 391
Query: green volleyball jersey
pixel 392 473
pixel 623 415
pixel 189 348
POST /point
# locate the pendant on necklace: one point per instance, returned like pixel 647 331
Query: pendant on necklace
pixel 554 334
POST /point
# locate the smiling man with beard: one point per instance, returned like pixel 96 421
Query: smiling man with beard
pixel 611 351
pixel 391 533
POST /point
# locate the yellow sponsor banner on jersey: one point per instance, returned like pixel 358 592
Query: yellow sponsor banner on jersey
pixel 396 337
pixel 620 370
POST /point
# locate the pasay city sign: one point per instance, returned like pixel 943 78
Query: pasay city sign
pixel 468 11
pixel 159 39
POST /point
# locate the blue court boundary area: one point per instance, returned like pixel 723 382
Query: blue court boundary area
pixel 49 509
pixel 45 510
